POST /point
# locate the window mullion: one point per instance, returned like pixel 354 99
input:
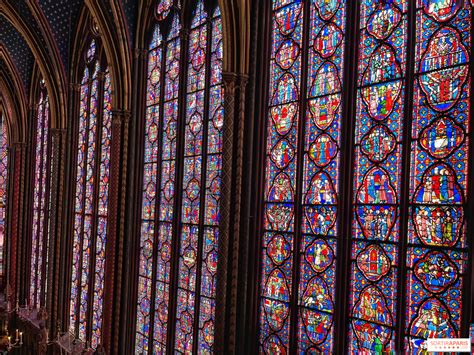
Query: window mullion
pixel 405 175
pixel 349 95
pixel 46 157
pixel 179 166
pixel 95 201
pixel 298 208
pixel 202 202
pixel 90 82
pixel 157 193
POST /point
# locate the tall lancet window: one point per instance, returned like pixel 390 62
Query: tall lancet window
pixel 188 227
pixel 39 238
pixel 378 163
pixel 159 182
pixel 301 212
pixel 393 199
pixel 437 254
pixel 3 189
pixel 91 197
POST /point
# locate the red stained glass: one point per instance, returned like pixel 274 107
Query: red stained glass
pixel 40 238
pixel 200 186
pixel 91 201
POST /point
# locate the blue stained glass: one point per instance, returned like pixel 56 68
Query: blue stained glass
pixel 91 206
pixel 318 158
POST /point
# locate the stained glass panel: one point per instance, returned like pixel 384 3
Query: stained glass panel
pixel 158 190
pixel 212 188
pixel 398 154
pixel 202 124
pixel 3 188
pixel 39 238
pixel 280 176
pixel 437 240
pixel 321 169
pixel 377 183
pixel 191 233
pixel 91 201
pixel 302 141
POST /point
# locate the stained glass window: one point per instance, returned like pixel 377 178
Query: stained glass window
pixel 377 183
pixel 3 188
pixel 408 175
pixel 159 181
pixel 39 238
pixel 302 177
pixel 437 239
pixel 199 129
pixel 91 198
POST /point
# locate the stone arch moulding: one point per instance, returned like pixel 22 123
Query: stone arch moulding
pixel 114 37
pixel 13 98
pixel 46 57
pixel 108 17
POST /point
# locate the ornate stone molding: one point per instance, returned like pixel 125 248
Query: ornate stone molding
pixel 231 82
pixel 115 233
pixel 58 138
pixel 234 104
pixel 18 145
pixel 16 172
pixel 120 116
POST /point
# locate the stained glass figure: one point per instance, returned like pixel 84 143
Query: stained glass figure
pixel 91 199
pixel 301 216
pixel 40 238
pixel 437 252
pixel 3 188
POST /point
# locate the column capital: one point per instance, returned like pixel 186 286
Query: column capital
pixel 233 80
pixel 140 53
pixel 230 81
pixel 58 131
pixel 18 145
pixel 119 116
pixel 244 79
pixel 75 87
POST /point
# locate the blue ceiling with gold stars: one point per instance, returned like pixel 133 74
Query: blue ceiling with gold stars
pixel 62 17
pixel 18 50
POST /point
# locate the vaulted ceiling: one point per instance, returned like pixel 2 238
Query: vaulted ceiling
pixel 18 50
pixel 62 18
pixel 55 18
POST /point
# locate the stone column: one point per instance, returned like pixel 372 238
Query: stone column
pixel 16 172
pixel 233 139
pixel 58 150
pixel 115 232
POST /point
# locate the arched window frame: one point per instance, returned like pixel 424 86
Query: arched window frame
pixel 163 21
pixel 41 202
pixel 93 137
pixel 348 194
